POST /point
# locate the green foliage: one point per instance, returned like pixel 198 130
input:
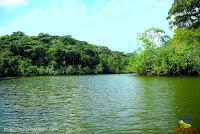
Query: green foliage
pixel 177 56
pixel 131 62
pixel 181 56
pixel 153 37
pixel 185 13
pixel 55 55
pixel 185 47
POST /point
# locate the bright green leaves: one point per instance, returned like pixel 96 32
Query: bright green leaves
pixel 185 13
pixel 55 55
pixel 181 56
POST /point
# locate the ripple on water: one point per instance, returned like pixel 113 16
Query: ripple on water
pixel 97 104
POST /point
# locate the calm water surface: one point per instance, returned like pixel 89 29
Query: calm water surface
pixel 97 104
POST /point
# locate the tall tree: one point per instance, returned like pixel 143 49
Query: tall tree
pixel 185 13
pixel 153 37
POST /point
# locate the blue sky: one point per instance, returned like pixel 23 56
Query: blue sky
pixel 112 23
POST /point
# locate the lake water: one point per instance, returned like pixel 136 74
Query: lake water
pixel 123 103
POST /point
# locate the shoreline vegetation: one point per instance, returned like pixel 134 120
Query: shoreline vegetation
pixel 159 54
pixel 56 55
pixel 22 55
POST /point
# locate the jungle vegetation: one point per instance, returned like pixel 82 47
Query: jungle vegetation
pixel 55 55
pixel 159 54
pixel 180 55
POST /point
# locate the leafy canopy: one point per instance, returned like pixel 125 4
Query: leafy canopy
pixel 153 37
pixel 185 13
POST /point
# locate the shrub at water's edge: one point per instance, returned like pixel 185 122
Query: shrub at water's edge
pixel 179 56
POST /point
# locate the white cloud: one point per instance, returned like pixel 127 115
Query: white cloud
pixel 12 3
pixel 115 23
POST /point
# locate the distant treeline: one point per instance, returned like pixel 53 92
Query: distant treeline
pixel 56 55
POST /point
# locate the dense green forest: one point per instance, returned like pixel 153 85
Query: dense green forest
pixel 158 55
pixel 179 55
pixel 56 55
